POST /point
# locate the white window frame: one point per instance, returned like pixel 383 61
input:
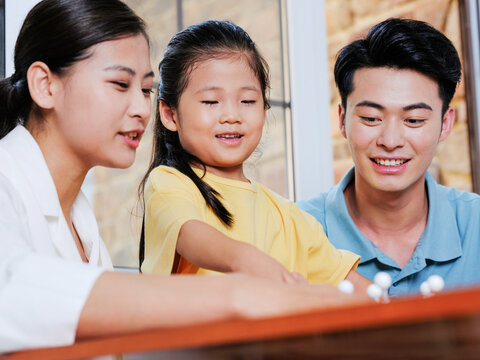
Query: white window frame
pixel 310 97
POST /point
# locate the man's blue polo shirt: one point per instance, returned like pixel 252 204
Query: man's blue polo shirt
pixel 449 246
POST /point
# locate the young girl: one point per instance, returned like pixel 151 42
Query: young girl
pixel 202 213
pixel 80 97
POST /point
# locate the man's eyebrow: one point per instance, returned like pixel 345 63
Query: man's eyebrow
pixel 370 104
pixel 420 105
pixel 127 70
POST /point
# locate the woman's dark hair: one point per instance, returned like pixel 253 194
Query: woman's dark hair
pixel 60 33
pixel 190 46
pixel 401 44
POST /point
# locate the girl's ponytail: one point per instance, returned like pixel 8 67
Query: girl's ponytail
pixel 15 102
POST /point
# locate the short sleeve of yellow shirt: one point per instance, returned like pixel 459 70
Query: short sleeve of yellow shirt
pixel 262 218
pixel 170 201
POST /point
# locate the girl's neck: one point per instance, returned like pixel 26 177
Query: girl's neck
pixel 67 172
pixel 234 172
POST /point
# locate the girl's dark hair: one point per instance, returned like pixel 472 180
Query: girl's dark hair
pixel 190 46
pixel 60 33
pixel 401 44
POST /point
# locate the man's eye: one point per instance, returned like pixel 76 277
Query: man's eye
pixel 368 119
pixel 415 121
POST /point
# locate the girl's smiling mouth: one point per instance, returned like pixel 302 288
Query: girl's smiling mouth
pixel 229 138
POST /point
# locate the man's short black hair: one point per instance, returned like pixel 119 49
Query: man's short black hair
pixel 401 44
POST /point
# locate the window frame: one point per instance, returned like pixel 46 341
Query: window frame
pixel 470 30
pixel 310 97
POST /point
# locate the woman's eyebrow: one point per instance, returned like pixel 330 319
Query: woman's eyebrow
pixel 128 70
pixel 120 68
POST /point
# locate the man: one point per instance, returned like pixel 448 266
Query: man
pixel 395 87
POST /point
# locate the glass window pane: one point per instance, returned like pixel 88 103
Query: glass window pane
pixel 268 164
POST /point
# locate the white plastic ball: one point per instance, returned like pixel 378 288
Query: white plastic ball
pixel 374 291
pixel 436 283
pixel 346 287
pixel 425 289
pixel 383 280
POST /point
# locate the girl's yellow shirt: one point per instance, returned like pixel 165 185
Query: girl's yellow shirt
pixel 262 218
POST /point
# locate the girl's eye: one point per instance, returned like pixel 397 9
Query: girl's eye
pixel 147 91
pixel 249 101
pixel 209 102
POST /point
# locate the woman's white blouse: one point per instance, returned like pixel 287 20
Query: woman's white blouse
pixel 43 282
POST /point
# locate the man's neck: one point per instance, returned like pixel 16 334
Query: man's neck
pixel 393 221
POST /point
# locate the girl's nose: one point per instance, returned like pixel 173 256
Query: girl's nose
pixel 230 114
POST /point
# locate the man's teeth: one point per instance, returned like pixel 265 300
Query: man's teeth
pixel 390 162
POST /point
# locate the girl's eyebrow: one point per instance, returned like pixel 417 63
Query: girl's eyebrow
pixel 128 70
pixel 213 88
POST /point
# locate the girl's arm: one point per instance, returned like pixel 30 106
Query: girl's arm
pixel 206 247
pixel 359 282
pixel 122 303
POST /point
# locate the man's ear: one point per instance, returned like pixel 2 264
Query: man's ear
pixel 447 123
pixel 168 116
pixel 341 120
pixel 42 84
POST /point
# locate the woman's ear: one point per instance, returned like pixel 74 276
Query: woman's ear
pixel 41 85
pixel 168 116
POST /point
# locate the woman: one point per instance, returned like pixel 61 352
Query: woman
pixel 80 97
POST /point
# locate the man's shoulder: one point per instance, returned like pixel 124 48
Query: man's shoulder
pixel 458 199
pixel 315 206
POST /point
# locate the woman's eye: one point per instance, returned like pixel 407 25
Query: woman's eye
pixel 120 84
pixel 147 91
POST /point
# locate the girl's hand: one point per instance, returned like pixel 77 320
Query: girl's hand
pixel 250 260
